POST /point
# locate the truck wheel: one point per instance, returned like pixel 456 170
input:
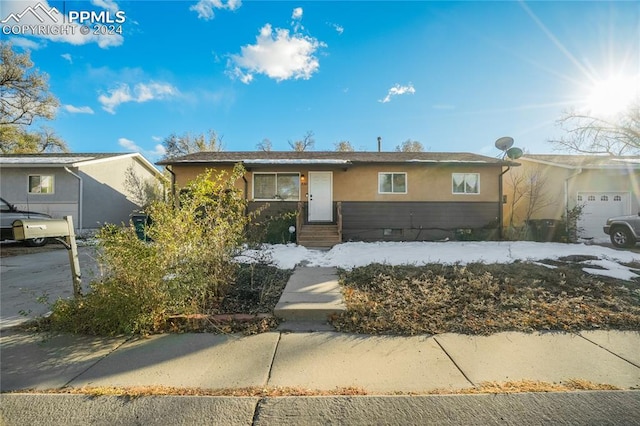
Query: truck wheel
pixel 621 237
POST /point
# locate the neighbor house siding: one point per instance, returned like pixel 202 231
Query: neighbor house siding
pixel 64 201
pixel 105 193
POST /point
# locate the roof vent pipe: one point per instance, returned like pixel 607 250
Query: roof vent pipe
pixel 379 144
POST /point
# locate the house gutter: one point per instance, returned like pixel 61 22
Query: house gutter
pixel 80 193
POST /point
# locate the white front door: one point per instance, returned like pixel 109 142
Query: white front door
pixel 320 196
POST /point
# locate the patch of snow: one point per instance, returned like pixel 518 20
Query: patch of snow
pixel 354 254
pixel 611 269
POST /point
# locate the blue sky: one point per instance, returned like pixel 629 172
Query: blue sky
pixel 453 75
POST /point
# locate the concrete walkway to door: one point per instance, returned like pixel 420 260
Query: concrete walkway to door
pixel 309 298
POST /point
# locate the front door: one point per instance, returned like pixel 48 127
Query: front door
pixel 320 197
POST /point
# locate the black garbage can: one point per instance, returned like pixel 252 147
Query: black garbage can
pixel 141 222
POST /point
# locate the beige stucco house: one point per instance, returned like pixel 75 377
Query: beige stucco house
pixel 604 186
pixel 366 196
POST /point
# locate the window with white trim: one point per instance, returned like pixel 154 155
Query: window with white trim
pixel 276 186
pixel 392 183
pixel 466 183
pixel 41 184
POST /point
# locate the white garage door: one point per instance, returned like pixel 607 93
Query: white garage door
pixel 598 207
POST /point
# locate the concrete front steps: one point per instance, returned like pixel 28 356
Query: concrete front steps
pixel 319 236
pixel 309 298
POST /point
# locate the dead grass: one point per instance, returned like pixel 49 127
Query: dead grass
pixel 521 386
pixel 485 299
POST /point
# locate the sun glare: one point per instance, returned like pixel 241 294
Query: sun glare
pixel 611 96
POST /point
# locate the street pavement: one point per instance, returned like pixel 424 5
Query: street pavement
pixel 394 371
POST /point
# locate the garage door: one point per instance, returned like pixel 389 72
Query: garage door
pixel 598 207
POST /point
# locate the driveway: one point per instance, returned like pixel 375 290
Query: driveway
pixel 35 274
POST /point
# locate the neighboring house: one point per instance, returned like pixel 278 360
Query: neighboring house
pixel 604 186
pixel 89 187
pixel 366 196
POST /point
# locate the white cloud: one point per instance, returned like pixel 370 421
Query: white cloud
pixel 157 151
pixel 156 138
pixel 278 55
pixel 109 5
pixel 53 16
pixel 339 28
pixel 68 57
pixel 25 43
pixel 78 110
pixel 129 145
pixel 205 8
pixel 398 90
pixel 141 93
pixel 297 13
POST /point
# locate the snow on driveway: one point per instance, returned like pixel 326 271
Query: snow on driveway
pixel 350 255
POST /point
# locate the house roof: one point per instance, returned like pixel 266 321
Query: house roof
pixel 332 158
pixel 68 159
pixel 587 161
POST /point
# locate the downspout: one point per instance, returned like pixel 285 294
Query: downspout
pixel 566 196
pixel 173 182
pixel 501 204
pixel 80 194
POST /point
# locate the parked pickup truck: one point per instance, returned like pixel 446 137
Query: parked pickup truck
pixel 624 231
pixel 9 213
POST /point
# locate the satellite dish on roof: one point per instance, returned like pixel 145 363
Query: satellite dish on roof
pixel 514 153
pixel 504 143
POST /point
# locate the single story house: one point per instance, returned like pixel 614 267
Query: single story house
pixel 604 186
pixel 89 187
pixel 366 196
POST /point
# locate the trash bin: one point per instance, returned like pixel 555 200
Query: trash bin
pixel 141 222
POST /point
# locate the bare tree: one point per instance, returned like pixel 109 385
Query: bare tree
pixel 142 191
pixel 586 134
pixel 265 145
pixel 410 146
pixel 529 195
pixel 305 144
pixel 176 146
pixel 344 146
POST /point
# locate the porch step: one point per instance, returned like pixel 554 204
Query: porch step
pixel 311 294
pixel 322 236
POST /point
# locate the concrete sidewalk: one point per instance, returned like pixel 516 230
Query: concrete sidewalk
pixel 320 360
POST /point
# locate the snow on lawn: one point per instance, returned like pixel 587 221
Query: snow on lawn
pixel 350 255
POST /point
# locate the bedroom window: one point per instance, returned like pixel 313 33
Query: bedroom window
pixel 392 183
pixel 466 183
pixel 276 186
pixel 40 184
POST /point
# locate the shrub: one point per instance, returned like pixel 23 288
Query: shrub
pixel 188 263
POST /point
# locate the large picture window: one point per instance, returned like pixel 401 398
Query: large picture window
pixel 40 184
pixel 276 186
pixel 392 183
pixel 466 183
